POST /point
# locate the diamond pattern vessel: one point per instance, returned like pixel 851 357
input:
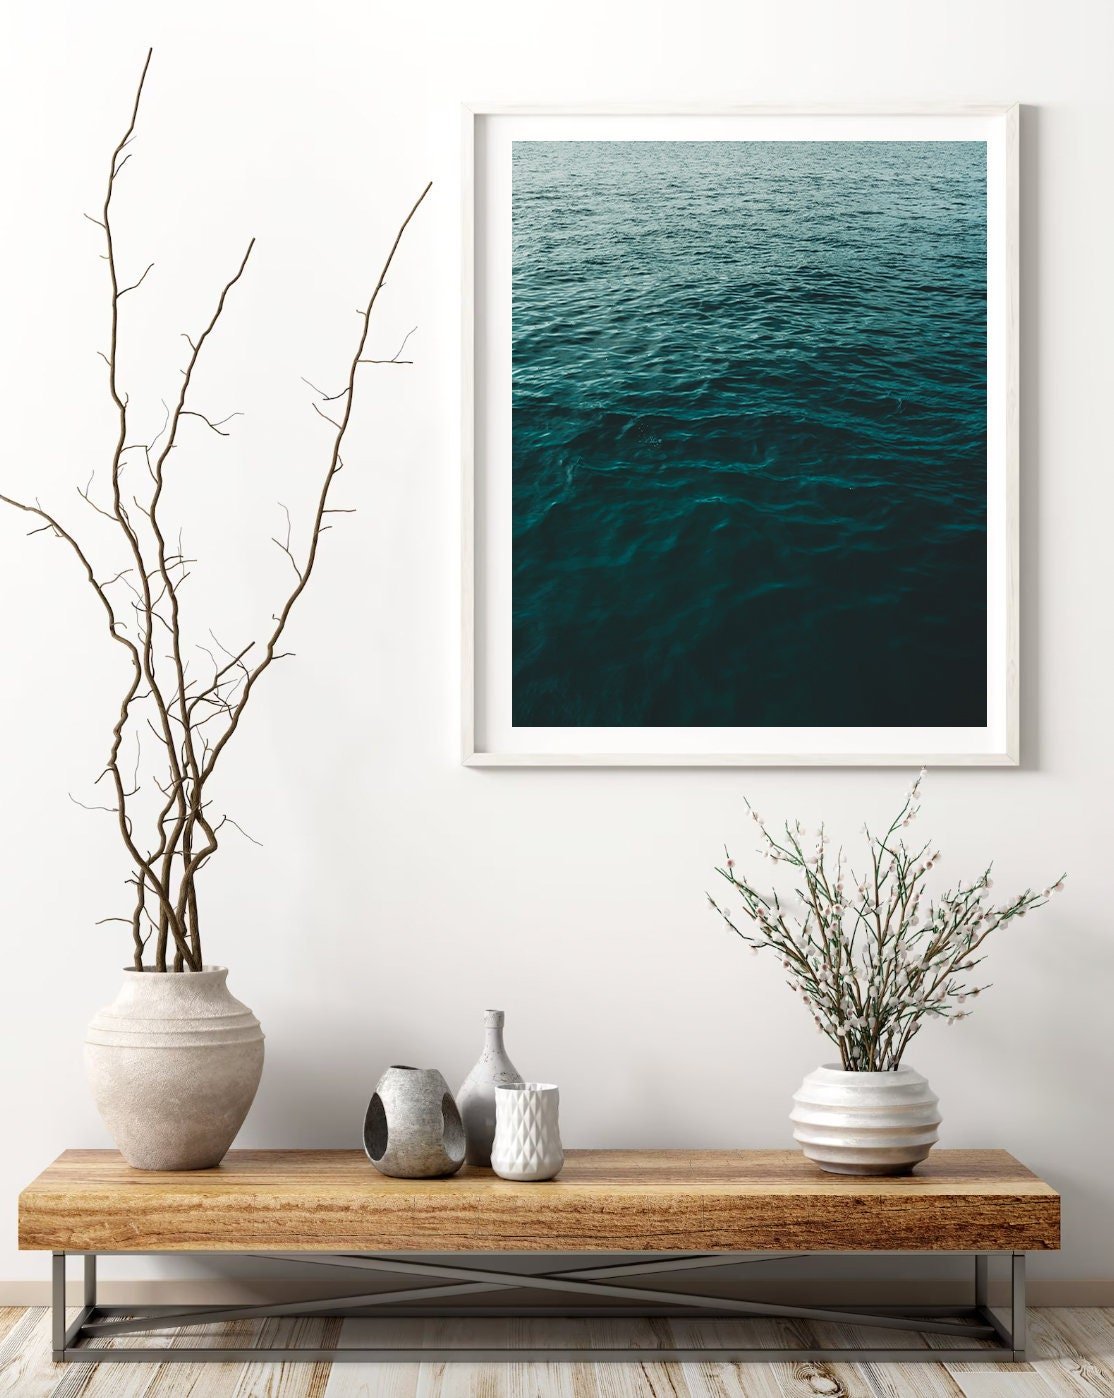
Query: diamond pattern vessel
pixel 527 1132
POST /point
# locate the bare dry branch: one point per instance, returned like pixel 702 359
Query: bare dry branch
pixel 227 820
pixel 326 397
pixel 124 290
pixel 326 416
pixel 112 810
pixel 192 718
pixel 286 546
pixel 216 426
pixel 395 357
pixel 322 503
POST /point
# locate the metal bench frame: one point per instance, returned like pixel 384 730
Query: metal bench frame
pixel 981 1332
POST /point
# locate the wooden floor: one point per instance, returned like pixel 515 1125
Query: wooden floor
pixel 1072 1354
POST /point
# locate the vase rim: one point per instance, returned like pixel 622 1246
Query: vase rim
pixel 526 1087
pixel 864 1073
pixel 185 975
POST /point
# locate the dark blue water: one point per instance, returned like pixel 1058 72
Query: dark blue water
pixel 749 433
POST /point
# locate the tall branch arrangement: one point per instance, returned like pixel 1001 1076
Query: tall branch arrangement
pixel 190 719
pixel 872 956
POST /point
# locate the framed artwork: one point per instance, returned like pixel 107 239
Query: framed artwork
pixel 740 437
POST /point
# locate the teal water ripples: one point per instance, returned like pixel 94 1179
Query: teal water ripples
pixel 749 433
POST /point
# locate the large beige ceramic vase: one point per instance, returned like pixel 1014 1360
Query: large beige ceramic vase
pixel 174 1063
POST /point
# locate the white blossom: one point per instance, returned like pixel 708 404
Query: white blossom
pixel 899 959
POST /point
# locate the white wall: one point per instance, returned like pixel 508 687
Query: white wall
pixel 397 893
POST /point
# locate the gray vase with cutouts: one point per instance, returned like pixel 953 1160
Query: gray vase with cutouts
pixel 412 1128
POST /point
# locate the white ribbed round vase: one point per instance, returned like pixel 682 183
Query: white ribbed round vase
pixel 527 1143
pixel 865 1123
pixel 174 1063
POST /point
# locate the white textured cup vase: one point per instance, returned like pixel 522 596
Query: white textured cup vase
pixel 527 1143
pixel 865 1123
pixel 174 1063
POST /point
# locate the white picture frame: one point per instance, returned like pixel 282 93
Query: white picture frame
pixel 489 738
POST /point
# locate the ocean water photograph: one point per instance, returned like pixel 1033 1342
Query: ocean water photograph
pixel 748 434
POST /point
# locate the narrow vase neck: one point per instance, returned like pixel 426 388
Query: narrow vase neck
pixel 493 1032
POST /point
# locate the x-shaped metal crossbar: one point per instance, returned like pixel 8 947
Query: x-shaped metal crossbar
pixel 972 1327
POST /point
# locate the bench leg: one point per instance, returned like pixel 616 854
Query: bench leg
pixel 64 1337
pixel 90 1288
pixel 58 1305
pixel 1017 1306
pixel 982 1267
pixel 1009 1322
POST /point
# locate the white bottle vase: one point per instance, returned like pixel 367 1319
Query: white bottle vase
pixel 476 1098
pixel 174 1063
pixel 527 1142
pixel 865 1123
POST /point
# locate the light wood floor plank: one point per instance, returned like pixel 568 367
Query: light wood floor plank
pixel 774 1380
pixel 536 1380
pixel 889 1380
pixel 713 1380
pixel 997 1384
pixel 642 1380
pixel 804 1378
pixel 539 1379
pixel 1072 1355
pixel 463 1379
pixel 26 1368
pixel 376 1380
pixel 831 1336
pixel 121 1380
pixel 1074 1351
pixel 884 1380
pixel 117 1381
pixel 176 1380
pixel 525 1379
pixel 720 1380
pixel 976 1366
pixel 911 1381
pixel 264 1379
pixel 783 1378
pixel 18 1336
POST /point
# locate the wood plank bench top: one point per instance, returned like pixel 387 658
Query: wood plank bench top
pixel 603 1201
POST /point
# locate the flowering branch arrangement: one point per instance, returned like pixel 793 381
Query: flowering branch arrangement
pixel 873 956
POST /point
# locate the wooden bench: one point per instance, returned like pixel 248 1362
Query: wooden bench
pixel 678 1211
